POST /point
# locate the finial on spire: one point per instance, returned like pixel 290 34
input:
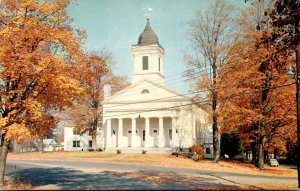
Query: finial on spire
pixel 147 12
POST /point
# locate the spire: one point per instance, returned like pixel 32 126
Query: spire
pixel 148 27
pixel 148 37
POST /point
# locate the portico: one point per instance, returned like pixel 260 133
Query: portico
pixel 141 132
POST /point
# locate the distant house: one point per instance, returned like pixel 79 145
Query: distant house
pixel 76 142
pixel 49 145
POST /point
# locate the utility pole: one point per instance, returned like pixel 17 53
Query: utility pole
pixel 297 51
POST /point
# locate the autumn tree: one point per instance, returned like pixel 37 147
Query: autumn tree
pixel 87 110
pixel 285 21
pixel 116 82
pixel 212 32
pixel 42 127
pixel 40 57
pixel 257 98
pixel 86 113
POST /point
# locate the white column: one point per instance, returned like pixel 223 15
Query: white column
pixel 161 139
pixel 133 132
pixel 147 132
pixel 108 133
pixel 174 135
pixel 120 133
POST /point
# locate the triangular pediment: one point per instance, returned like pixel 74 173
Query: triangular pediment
pixel 145 90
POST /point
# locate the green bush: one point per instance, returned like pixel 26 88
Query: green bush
pixel 144 151
pixel 118 151
pixel 91 150
pixel 99 150
pixel 199 150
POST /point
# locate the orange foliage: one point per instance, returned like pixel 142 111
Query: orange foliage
pixel 199 150
pixel 86 112
pixel 41 65
pixel 257 67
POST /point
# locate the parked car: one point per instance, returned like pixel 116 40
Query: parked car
pixel 273 162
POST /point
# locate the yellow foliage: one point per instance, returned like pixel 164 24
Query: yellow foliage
pixel 17 131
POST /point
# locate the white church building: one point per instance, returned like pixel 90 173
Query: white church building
pixel 147 115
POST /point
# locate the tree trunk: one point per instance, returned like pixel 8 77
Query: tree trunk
pixel 3 156
pixel 254 152
pixel 260 154
pixel 266 155
pixel 41 146
pixel 263 124
pixel 94 141
pixel 216 133
pixel 15 145
pixel 275 153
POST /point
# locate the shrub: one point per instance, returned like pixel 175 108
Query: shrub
pixel 175 153
pixel 99 149
pixel 118 151
pixel 144 151
pixel 91 150
pixel 199 150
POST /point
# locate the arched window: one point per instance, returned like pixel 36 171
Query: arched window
pixel 145 91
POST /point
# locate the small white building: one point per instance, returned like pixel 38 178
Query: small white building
pixel 49 144
pixel 76 142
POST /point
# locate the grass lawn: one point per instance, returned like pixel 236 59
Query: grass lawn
pixel 166 160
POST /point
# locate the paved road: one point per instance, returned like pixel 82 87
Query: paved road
pixel 106 175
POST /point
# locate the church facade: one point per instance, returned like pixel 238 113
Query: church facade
pixel 147 114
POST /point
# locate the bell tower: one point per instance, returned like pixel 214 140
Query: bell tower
pixel 148 57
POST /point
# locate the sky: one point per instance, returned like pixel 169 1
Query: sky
pixel 115 25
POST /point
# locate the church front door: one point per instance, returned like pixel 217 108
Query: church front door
pixel 129 137
pixel 155 137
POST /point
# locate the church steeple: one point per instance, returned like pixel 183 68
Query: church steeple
pixel 148 57
pixel 148 37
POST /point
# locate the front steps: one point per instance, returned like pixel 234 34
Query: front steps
pixel 139 149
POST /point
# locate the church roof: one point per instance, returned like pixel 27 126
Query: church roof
pixel 148 37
